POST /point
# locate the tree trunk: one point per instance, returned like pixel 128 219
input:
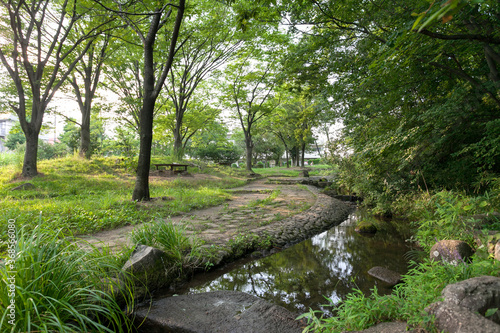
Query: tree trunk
pixel 178 147
pixel 141 190
pixel 249 151
pixel 85 135
pixel 303 150
pixel 30 155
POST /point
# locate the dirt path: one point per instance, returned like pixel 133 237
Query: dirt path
pixel 252 206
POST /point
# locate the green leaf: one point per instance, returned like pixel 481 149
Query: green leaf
pixel 468 207
pixel 417 21
pixel 490 312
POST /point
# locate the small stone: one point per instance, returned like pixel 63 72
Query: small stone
pixel 451 251
pixel 386 275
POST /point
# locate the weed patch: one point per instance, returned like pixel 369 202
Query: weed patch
pixel 60 287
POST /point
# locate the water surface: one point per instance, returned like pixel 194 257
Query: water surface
pixel 331 264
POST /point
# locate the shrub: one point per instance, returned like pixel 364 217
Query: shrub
pixel 450 218
pixel 259 165
pixel 234 165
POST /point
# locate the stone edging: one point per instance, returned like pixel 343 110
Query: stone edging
pixel 324 214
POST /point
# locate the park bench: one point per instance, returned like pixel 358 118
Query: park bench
pixel 174 167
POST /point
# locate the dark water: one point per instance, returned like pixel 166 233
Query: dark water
pixel 330 264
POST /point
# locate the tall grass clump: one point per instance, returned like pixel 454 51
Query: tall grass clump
pixel 59 287
pixel 182 251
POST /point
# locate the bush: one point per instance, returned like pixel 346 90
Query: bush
pixel 47 151
pixel 259 165
pixel 234 165
pixel 221 153
pixel 450 218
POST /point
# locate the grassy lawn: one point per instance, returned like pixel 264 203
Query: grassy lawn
pixel 314 170
pixel 81 196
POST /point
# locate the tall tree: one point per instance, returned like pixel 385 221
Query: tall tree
pixel 34 48
pixel 201 114
pixel 211 42
pixel 89 72
pixel 149 20
pixel 248 92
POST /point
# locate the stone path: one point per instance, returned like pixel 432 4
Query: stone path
pixel 258 205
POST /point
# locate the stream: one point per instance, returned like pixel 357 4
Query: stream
pixel 331 264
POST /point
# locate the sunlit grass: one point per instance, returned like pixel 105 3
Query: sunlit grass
pixel 82 196
pixel 289 172
pixel 182 251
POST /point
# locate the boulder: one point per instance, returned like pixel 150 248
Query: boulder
pixel 478 294
pixel 496 253
pixel 451 251
pixel 148 267
pixel 219 311
pixel 466 303
pixel 25 186
pixel 492 241
pixel 390 277
pixel 456 319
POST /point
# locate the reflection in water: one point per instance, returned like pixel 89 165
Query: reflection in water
pixel 330 265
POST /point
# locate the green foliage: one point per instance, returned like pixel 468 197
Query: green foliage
pixel 451 218
pixel 212 144
pixel 181 250
pixel 47 151
pixel 11 158
pixel 15 138
pixel 71 136
pixel 259 165
pixel 217 152
pixel 61 287
pixel 419 109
